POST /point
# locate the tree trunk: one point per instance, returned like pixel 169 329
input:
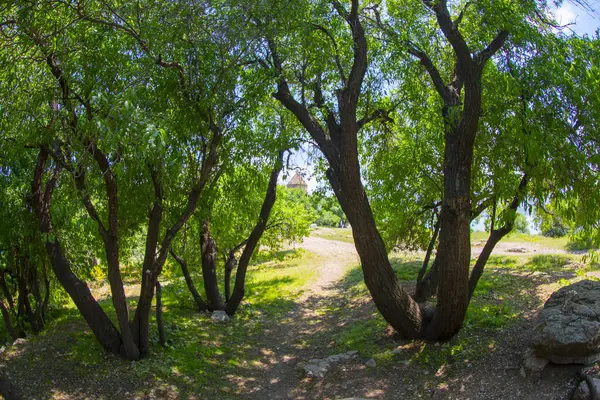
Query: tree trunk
pixel 230 265
pixel 159 320
pixel 496 235
pixel 429 283
pixel 8 323
pixel 200 304
pixel 103 328
pixel 119 299
pixel 454 249
pixel 239 288
pixel 419 289
pixel 209 269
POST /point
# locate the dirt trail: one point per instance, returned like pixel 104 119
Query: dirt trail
pixel 337 256
pixel 282 379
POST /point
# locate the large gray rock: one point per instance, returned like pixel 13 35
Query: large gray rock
pixel 583 390
pixel 568 328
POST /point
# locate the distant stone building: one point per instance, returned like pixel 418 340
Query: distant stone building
pixel 297 182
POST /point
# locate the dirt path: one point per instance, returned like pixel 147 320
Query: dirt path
pixel 305 323
pixel 337 257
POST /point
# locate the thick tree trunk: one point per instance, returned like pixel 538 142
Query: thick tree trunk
pixel 209 269
pixel 200 304
pixel 239 288
pixel 159 313
pixel 392 301
pixel 454 249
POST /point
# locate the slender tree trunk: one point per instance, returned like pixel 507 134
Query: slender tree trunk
pixel 119 299
pixel 229 267
pixel 496 235
pixel 423 270
pixel 209 269
pixel 429 283
pixel 8 322
pixel 103 328
pixel 200 304
pixel 263 218
pixel 159 313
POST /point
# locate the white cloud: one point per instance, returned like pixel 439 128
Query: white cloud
pixel 565 14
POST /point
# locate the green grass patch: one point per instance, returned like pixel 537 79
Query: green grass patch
pixel 339 234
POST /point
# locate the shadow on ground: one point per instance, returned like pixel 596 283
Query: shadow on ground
pixel 258 354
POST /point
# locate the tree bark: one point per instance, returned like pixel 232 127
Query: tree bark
pixel 200 304
pixel 209 269
pixel 239 288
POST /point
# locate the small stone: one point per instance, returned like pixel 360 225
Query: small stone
pixel 398 350
pixel 404 362
pixel 19 341
pixel 220 316
pixel 371 363
pixel 532 364
pixel 522 372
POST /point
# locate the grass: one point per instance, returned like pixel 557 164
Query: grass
pixel 504 297
pixel 515 237
pixel 201 356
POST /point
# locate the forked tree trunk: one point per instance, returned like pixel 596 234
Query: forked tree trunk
pixel 392 301
pixel 98 321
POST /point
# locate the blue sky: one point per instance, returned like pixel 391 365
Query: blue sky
pixel 585 22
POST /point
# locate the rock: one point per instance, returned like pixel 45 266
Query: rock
pixel 398 350
pixel 583 390
pixel 371 363
pixel 220 316
pixel 19 341
pixel 533 366
pixel 517 250
pixel 568 328
pixel 522 372
pixel 313 226
pixel 317 368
